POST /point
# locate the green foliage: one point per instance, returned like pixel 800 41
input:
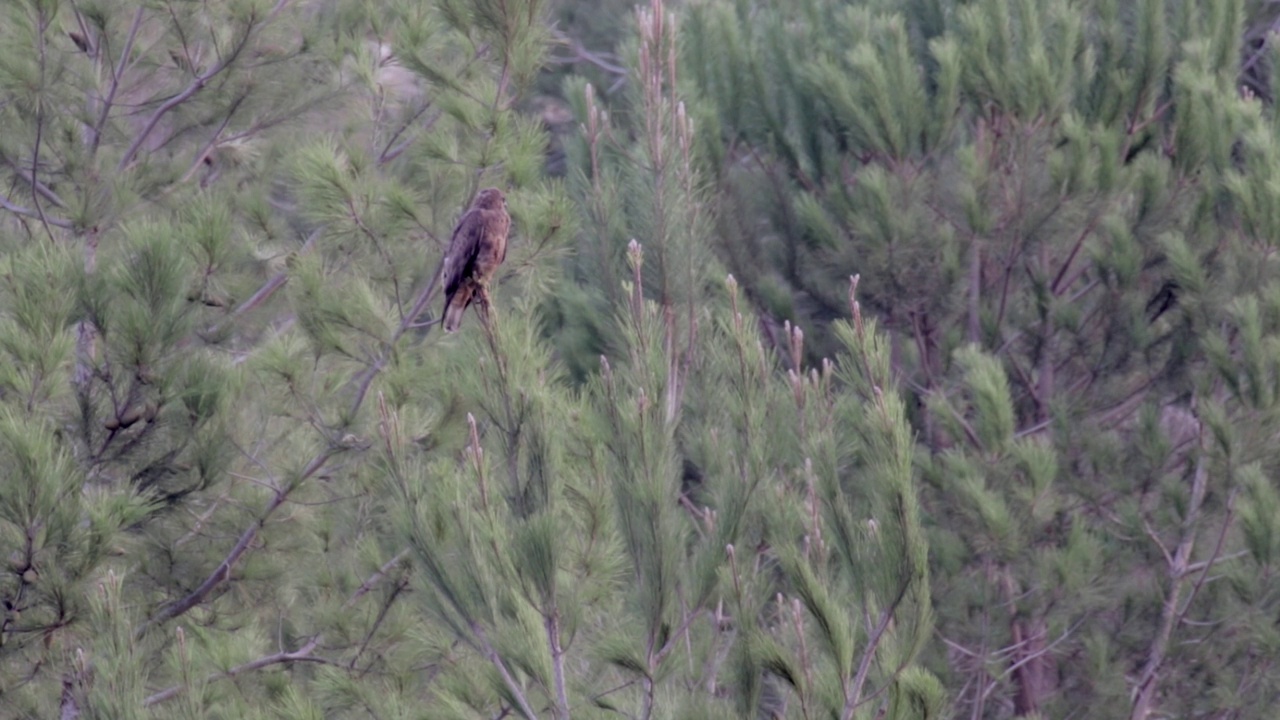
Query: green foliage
pixel 238 489
pixel 563 551
pixel 176 417
pixel 1061 215
pixel 637 180
pixel 1019 462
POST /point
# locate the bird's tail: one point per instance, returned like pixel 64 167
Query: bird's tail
pixel 455 307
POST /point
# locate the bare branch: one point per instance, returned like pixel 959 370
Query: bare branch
pixel 377 623
pixel 1213 558
pixel 29 175
pixel 302 654
pixel 28 212
pixel 552 620
pixel 1044 650
pixel 853 699
pixel 42 26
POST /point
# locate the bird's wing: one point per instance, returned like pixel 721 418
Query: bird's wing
pixel 462 250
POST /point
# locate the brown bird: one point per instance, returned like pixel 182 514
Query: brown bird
pixel 478 247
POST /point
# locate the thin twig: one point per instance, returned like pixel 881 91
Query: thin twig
pixel 302 654
pixel 854 698
pixel 373 579
pixel 1042 651
pixel 1145 689
pixel 41 26
pixel 115 81
pixel 383 609
pixel 388 153
pixel 1262 48
pixel 274 283
pixel 365 379
pixel 582 54
pixel 213 142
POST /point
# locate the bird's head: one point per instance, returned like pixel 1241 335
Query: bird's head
pixel 491 199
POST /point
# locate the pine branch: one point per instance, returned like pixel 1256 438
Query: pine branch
pixel 552 620
pixel 1145 689
pixel 388 152
pixel 373 579
pixel 365 380
pixel 1263 47
pixel 203 153
pixel 1206 565
pixel 582 54
pixel 28 175
pixel 281 495
pixel 28 212
pixel 223 571
pixel 1042 652
pixel 517 693
pixel 302 654
pixel 1058 286
pixel 41 109
pixel 383 609
pixel 854 698
pixel 269 288
pixel 116 75
pixel 194 87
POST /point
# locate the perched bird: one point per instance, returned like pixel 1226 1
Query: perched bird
pixel 478 247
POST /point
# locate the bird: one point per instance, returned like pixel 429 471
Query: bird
pixel 477 248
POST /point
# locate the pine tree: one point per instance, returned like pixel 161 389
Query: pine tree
pixel 653 543
pixel 636 180
pixel 1062 215
pixel 251 480
pixel 217 223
